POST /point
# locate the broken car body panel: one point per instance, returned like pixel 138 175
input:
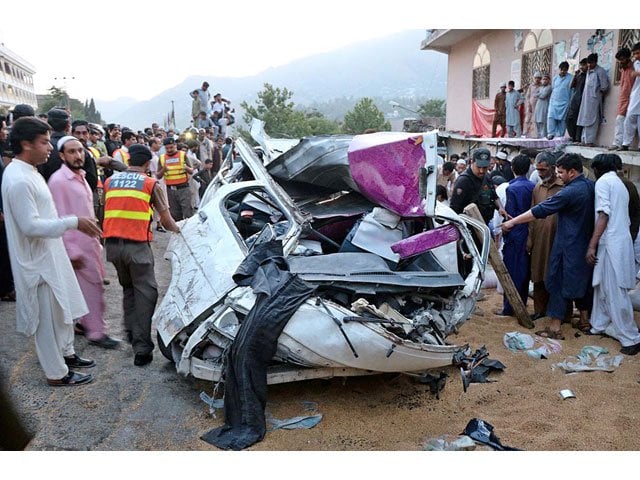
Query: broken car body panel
pixel 375 309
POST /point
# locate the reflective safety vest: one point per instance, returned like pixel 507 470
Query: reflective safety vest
pixel 96 155
pixel 127 208
pixel 174 173
pixel 125 156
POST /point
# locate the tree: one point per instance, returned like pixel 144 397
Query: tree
pixel 281 119
pixel 435 107
pixel 365 116
pixel 58 97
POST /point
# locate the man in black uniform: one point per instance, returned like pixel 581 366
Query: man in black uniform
pixel 474 186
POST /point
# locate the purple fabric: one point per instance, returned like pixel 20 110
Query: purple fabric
pixel 385 166
pixel 424 241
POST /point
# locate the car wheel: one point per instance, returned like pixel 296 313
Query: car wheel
pixel 164 349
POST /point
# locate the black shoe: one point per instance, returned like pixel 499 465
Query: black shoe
pixel 631 349
pixel 76 362
pixel 142 359
pixel 72 379
pixel 78 329
pixel 105 342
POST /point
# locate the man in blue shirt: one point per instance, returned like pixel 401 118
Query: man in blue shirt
pixel 569 274
pixel 559 102
pixel 514 251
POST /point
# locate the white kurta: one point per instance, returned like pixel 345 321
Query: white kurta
pixel 614 273
pixel 34 234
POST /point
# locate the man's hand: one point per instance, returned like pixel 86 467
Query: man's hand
pixel 503 213
pixel 507 226
pixel 89 226
pixel 591 256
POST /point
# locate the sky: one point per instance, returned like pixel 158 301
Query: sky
pixel 139 48
pixel 115 48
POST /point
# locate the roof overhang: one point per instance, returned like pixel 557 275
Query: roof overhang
pixel 443 40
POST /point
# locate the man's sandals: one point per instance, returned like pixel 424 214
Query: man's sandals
pixel 552 334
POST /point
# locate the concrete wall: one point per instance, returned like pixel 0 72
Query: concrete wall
pixel 501 47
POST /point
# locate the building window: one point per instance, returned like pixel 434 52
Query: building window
pixel 626 38
pixel 537 56
pixel 481 73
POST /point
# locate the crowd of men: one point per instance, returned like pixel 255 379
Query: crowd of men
pixel 575 239
pixel 70 189
pixel 572 103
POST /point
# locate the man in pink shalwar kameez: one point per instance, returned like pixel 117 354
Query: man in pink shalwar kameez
pixel 72 196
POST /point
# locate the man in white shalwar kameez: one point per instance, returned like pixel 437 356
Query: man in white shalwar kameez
pixel 48 295
pixel 611 251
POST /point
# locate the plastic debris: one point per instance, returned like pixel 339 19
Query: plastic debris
pixel 534 346
pixel 295 423
pixel 299 422
pixel 214 404
pixel 477 367
pixel 482 432
pixel 591 358
pixel 567 394
pixel 450 443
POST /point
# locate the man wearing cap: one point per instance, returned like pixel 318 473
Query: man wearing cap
pixel 500 112
pixel 22 110
pixel 473 186
pixel 568 275
pixel 73 196
pixel 130 197
pixel 173 167
pixel 461 166
pixel 530 101
pixel 542 106
pixel 513 100
pixel 559 102
pixel 503 166
pixel 542 230
pixel 48 295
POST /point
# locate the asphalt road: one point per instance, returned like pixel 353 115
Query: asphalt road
pixel 124 408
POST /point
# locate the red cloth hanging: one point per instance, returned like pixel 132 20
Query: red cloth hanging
pixel 482 120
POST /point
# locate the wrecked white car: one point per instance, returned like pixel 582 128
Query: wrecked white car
pixel 388 272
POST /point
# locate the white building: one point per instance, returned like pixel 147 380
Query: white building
pixel 16 80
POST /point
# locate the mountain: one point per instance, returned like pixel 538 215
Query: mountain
pixel 114 108
pixel 392 67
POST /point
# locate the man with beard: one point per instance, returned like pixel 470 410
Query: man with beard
pixel 72 196
pixel 569 275
pixel 542 231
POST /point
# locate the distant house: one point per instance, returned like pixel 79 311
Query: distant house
pixel 16 80
pixel 479 60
